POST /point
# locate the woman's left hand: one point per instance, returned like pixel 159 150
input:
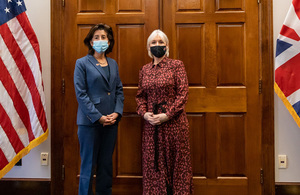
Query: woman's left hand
pixel 161 118
pixel 111 119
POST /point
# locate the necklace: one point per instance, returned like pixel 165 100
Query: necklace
pixel 99 58
pixel 101 63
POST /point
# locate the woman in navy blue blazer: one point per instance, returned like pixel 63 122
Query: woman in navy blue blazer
pixel 100 97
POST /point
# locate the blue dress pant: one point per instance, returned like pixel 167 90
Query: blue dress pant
pixel 96 149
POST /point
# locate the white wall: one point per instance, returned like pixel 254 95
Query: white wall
pixel 38 12
pixel 287 133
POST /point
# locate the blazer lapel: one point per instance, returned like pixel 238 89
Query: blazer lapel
pixel 112 70
pixel 94 62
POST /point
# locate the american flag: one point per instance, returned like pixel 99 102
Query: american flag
pixel 23 123
pixel 287 62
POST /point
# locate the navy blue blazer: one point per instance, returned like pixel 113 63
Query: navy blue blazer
pixel 96 95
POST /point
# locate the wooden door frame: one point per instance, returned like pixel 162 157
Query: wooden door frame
pixel 57 97
pixel 267 88
pixel 267 83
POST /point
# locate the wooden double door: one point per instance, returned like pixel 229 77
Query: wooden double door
pixel 218 41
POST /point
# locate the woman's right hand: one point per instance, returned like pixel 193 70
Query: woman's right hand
pixel 102 119
pixel 151 118
pixel 148 115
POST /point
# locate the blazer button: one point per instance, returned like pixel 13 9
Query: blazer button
pixel 108 93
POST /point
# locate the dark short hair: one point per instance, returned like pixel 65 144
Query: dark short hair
pixel 90 35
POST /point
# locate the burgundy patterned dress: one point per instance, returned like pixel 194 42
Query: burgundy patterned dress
pixel 166 157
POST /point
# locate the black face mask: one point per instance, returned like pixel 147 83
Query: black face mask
pixel 158 51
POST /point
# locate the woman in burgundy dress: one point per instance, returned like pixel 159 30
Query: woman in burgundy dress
pixel 161 98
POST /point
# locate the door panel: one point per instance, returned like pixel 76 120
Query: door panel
pixel 91 5
pixel 192 55
pixel 230 40
pixel 189 5
pixel 130 5
pixel 198 143
pixel 218 43
pixel 130 57
pixel 229 5
pixel 129 147
pixel 231 145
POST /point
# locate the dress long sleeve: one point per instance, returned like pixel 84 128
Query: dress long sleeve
pixel 141 97
pixel 181 94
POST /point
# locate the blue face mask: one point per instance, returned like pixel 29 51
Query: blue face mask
pixel 100 46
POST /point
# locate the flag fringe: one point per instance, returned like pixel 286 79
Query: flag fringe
pixel 287 104
pixel 24 152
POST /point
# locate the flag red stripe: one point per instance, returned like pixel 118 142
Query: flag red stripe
pixel 26 73
pixel 289 32
pixel 10 131
pixel 287 76
pixel 27 28
pixel 3 161
pixel 296 5
pixel 19 104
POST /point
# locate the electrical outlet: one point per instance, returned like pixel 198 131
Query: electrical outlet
pixel 44 158
pixel 282 161
pixel 19 163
